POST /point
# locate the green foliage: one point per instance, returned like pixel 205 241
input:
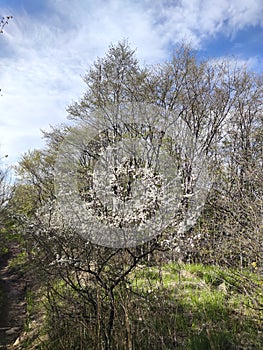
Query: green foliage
pixel 20 262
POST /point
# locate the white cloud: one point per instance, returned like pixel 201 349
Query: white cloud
pixel 198 19
pixel 42 58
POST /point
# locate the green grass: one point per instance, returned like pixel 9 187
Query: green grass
pixel 19 262
pixel 210 305
pixel 176 306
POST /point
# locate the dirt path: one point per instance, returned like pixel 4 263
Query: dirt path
pixel 12 301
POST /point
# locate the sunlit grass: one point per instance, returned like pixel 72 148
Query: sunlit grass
pixel 212 309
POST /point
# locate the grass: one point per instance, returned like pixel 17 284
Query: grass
pixel 175 306
pixel 19 262
pixel 210 306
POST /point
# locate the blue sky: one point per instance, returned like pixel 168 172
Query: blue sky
pixel 50 44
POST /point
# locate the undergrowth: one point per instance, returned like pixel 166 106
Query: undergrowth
pixel 175 306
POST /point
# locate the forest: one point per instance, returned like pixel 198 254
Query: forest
pixel 139 224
